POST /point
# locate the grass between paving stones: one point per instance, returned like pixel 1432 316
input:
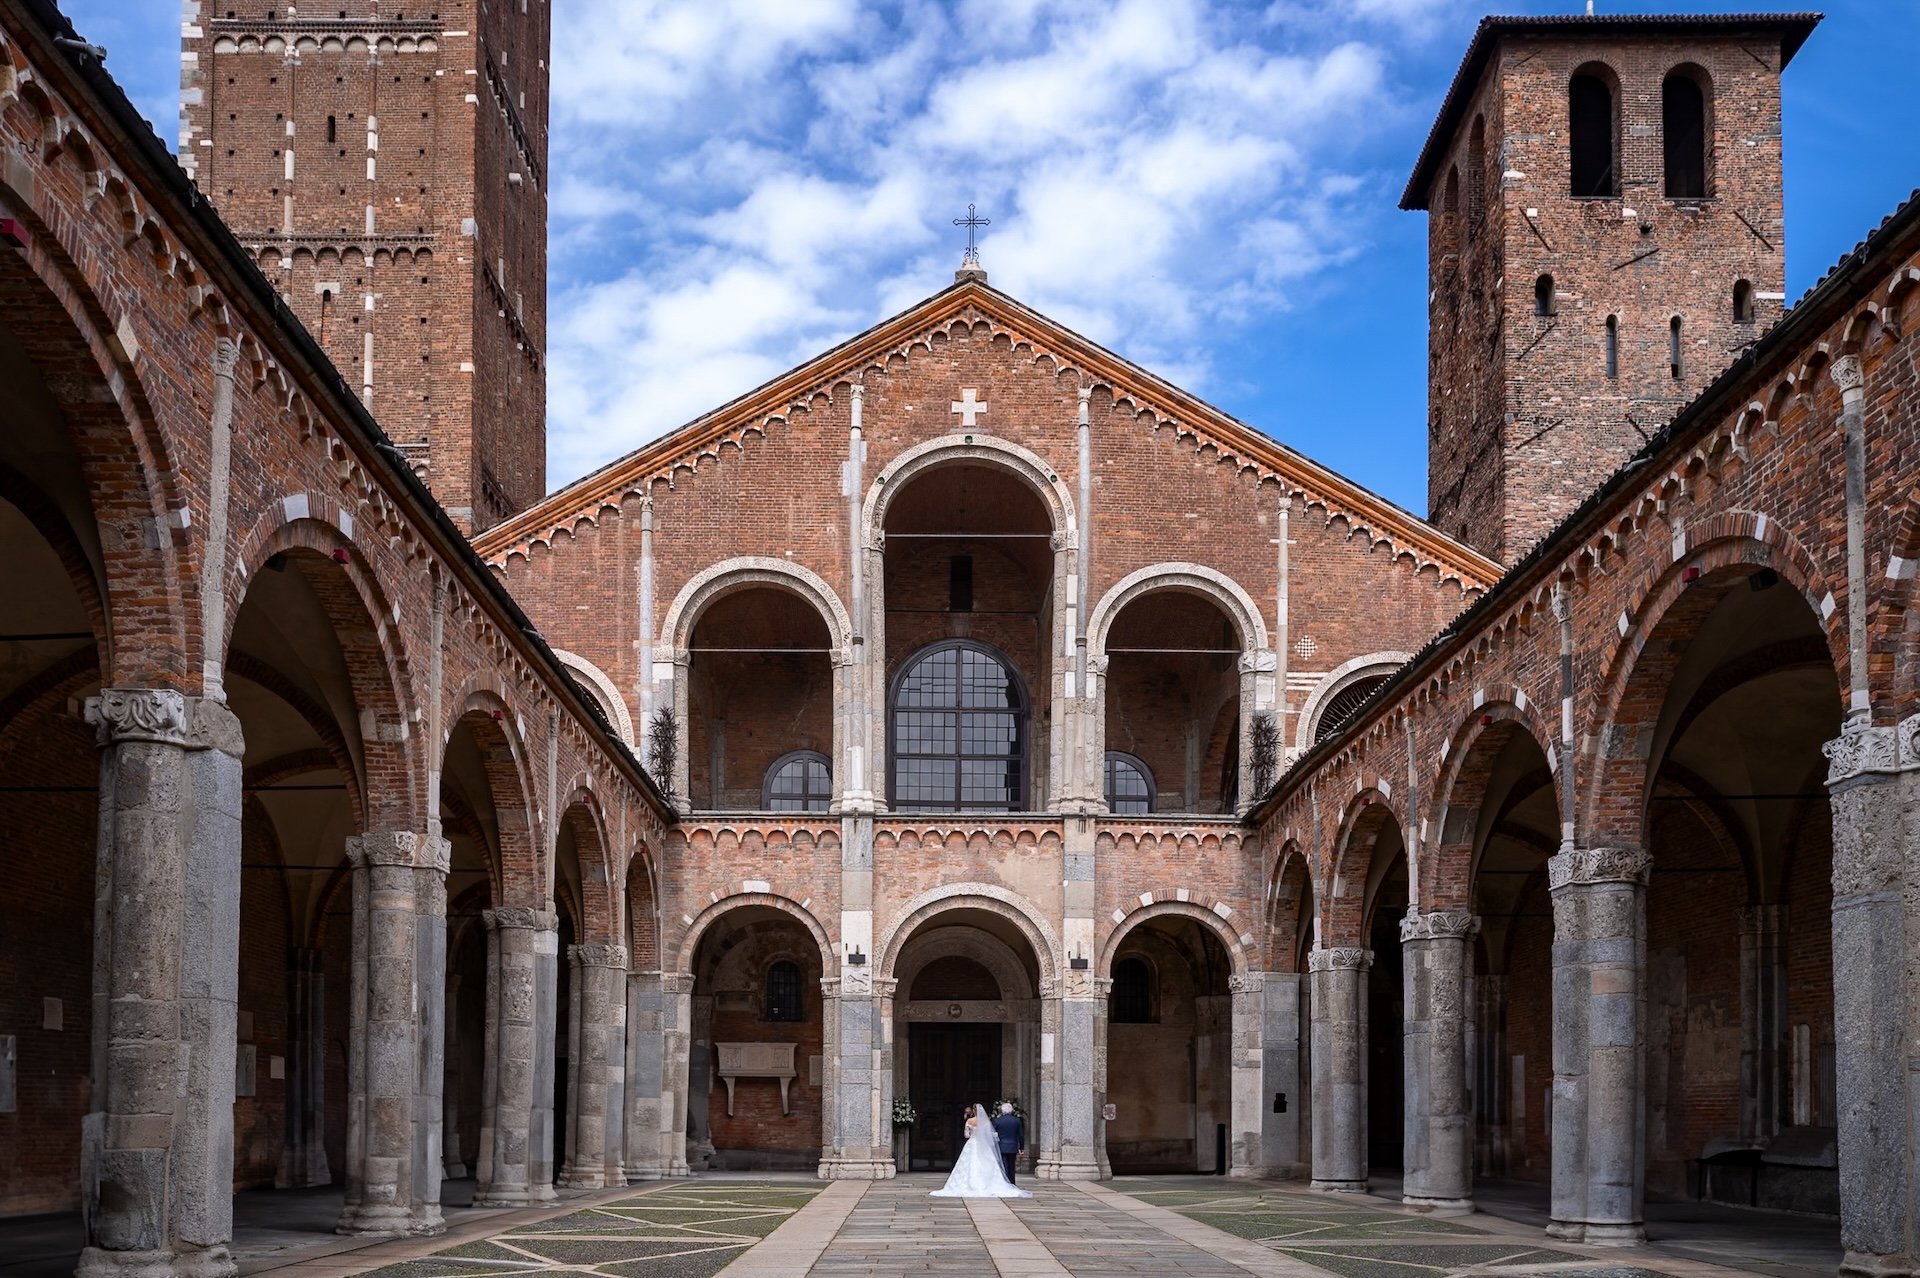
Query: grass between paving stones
pixel 686 1231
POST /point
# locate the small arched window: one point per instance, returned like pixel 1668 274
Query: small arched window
pixel 1132 1000
pixel 784 1002
pixel 1673 347
pixel 1590 135
pixel 1129 785
pixel 1683 122
pixel 1742 302
pixel 1543 295
pixel 798 782
pixel 1613 346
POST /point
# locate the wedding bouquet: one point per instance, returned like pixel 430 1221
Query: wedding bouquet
pixel 904 1114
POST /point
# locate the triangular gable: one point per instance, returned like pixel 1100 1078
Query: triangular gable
pixel 970 301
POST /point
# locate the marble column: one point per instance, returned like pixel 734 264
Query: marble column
pixel 303 1159
pixel 1437 956
pixel 156 1169
pixel 1067 1125
pixel 598 1018
pixel 393 1173
pixel 1874 780
pixel 1599 1044
pixel 506 1167
pixel 1339 998
pixel 648 1126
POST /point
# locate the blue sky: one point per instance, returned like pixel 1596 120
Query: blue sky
pixel 1208 188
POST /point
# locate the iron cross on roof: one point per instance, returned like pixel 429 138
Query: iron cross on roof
pixel 971 221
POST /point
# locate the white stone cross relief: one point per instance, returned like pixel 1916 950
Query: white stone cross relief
pixel 968 406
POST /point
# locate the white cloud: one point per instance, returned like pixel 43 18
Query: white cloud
pixel 746 183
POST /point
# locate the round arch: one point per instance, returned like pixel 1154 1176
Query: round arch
pixel 979 449
pixel 743 573
pixel 1452 855
pixel 992 953
pixel 605 692
pixel 523 874
pixel 697 930
pixel 1208 919
pixel 1338 680
pixel 1194 579
pixel 1343 913
pixel 987 897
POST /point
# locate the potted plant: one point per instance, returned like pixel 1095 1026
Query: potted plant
pixel 904 1117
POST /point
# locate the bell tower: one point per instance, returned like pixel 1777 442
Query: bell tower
pixel 1605 235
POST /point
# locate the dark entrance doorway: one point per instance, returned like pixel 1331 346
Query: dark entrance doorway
pixel 949 1068
pixel 1386 1029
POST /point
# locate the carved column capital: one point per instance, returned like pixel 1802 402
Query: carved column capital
pixel 404 848
pixel 1339 959
pixel 1440 925
pixel 1247 983
pixel 598 954
pixel 676 982
pixel 1580 867
pixel 139 714
pixel 518 916
pixel 1862 749
pixel 1848 374
pixel 226 357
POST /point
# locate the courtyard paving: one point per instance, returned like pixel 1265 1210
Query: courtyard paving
pixel 1180 1226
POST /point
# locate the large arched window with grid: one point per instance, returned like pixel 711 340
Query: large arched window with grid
pixel 959 732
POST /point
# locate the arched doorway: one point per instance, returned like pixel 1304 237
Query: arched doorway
pixel 1170 1020
pixel 1173 693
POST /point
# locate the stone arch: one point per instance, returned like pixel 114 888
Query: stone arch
pixel 1452 852
pixel 744 572
pixel 989 898
pixel 698 926
pixel 1197 579
pixel 992 953
pixel 978 448
pixel 1336 681
pixel 1210 919
pixel 605 692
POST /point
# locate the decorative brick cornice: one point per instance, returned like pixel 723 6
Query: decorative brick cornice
pixel 1581 867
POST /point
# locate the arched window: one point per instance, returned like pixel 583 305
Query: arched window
pixel 1543 295
pixel 783 992
pixel 959 739
pixel 1132 1000
pixel 1590 135
pixel 1613 346
pixel 1683 123
pixel 801 781
pixel 1341 705
pixel 1129 785
pixel 1742 302
pixel 1673 347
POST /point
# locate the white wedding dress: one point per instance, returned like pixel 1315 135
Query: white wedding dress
pixel 978 1172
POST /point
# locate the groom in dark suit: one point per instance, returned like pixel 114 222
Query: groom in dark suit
pixel 1013 1137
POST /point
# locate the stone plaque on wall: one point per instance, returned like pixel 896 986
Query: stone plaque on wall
pixel 243 1071
pixel 276 1067
pixel 53 1014
pixel 6 1074
pixel 243 1026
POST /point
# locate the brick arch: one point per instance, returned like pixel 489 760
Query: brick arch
pixel 1899 628
pixel 989 898
pixel 1345 894
pixel 518 863
pixel 605 692
pixel 698 926
pixel 643 912
pixel 1187 578
pixel 978 448
pixel 54 309
pixel 1343 676
pixel 744 572
pixel 54 528
pixel 360 612
pixel 1001 960
pixel 1452 853
pixel 1210 919
pixel 1638 675
pixel 1285 928
pixel 599 908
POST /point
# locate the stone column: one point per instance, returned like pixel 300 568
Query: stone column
pixel 648 1126
pixel 542 1139
pixel 676 1021
pixel 303 1160
pixel 700 1147
pixel 598 1019
pixel 858 1132
pixel 1246 1144
pixel 1599 1047
pixel 393 1154
pixel 1874 779
pixel 614 1125
pixel 1273 1126
pixel 506 1150
pixel 1492 1105
pixel 1339 997
pixel 156 1172
pixel 1069 1114
pixel 1763 1021
pixel 453 1163
pixel 1436 951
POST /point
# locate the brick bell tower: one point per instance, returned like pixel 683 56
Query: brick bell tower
pixel 1605 236
pixel 385 161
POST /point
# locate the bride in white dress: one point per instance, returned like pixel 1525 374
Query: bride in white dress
pixel 978 1172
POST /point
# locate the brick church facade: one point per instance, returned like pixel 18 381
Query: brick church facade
pixel 965 713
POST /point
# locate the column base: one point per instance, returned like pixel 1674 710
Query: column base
pixel 644 1171
pixel 1865 1264
pixel 1338 1186
pixel 506 1196
pixel 426 1221
pixel 1439 1206
pixel 207 1262
pixel 542 1195
pixel 856 1169
pixel 1060 1167
pixel 594 1177
pixel 1598 1234
pixel 389 1220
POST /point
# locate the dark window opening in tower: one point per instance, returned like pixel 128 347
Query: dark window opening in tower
pixel 1683 118
pixel 1543 295
pixel 332 130
pixel 960 583
pixel 1673 347
pixel 1613 346
pixel 1742 302
pixel 1590 134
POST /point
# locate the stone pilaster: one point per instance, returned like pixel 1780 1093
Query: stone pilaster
pixel 857 1135
pixel 393 1061
pixel 505 1170
pixel 1492 1091
pixel 1599 1048
pixel 598 1019
pixel 543 1141
pixel 157 1144
pixel 1436 952
pixel 303 1159
pixel 1274 1130
pixel 1763 1020
pixel 700 1148
pixel 1339 1005
pixel 676 1021
pixel 453 1160
pixel 1874 780
pixel 648 1126
pixel 1247 1061
pixel 1072 1009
